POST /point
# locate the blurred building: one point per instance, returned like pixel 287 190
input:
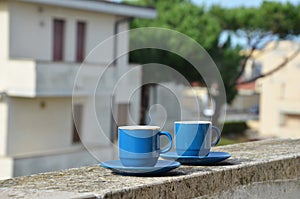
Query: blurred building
pixel 43 43
pixel 280 92
pixel 248 94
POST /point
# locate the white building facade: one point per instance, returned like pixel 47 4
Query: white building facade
pixel 43 43
pixel 280 91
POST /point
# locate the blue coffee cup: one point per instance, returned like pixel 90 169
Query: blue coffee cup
pixel 139 146
pixel 194 138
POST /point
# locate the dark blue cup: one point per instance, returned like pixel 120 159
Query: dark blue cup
pixel 139 146
pixel 194 138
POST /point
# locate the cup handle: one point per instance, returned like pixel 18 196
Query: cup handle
pixel 168 148
pixel 215 142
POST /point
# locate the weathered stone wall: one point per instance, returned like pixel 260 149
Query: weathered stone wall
pixel 254 164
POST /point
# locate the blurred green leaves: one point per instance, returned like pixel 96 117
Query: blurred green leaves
pixel 272 20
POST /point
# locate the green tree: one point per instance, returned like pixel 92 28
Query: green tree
pixel 271 21
pixel 197 23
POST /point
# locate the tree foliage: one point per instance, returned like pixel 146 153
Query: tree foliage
pixel 260 25
pixel 272 17
pixel 272 21
pixel 197 23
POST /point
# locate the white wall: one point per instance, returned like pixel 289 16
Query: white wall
pixel 39 125
pixel 28 38
pixel 280 92
pixel 127 90
pixel 92 78
pixel 99 28
pixel 31 28
pixel 122 43
pixel 4 20
pixel 18 77
pixel 56 79
pixel 34 128
pixel 96 123
pixel 32 165
pixel 6 165
pixel 3 126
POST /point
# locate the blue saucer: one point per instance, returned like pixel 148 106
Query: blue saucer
pixel 161 166
pixel 211 158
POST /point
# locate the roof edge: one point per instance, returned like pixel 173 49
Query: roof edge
pixel 102 6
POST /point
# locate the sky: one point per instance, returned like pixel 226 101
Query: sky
pixel 238 3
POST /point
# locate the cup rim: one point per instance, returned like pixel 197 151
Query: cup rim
pixel 192 122
pixel 139 127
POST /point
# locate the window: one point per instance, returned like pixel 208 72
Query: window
pixel 58 39
pixel 77 119
pixel 80 46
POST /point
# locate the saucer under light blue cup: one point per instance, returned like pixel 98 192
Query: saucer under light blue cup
pixel 194 138
pixel 139 146
pixel 212 158
pixel 162 166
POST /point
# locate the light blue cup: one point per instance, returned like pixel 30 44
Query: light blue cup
pixel 194 138
pixel 139 146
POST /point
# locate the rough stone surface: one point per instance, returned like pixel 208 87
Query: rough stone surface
pixel 252 162
pixel 277 189
pixel 32 193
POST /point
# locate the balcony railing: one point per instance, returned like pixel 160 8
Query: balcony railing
pixel 30 78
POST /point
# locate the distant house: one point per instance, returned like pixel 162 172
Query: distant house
pixel 280 92
pixel 43 43
pixel 247 94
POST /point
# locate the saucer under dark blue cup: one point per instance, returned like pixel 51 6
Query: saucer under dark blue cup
pixel 161 167
pixel 211 158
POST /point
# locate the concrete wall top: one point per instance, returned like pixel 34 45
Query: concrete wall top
pixel 253 162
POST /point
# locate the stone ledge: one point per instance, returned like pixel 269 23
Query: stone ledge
pixel 252 162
